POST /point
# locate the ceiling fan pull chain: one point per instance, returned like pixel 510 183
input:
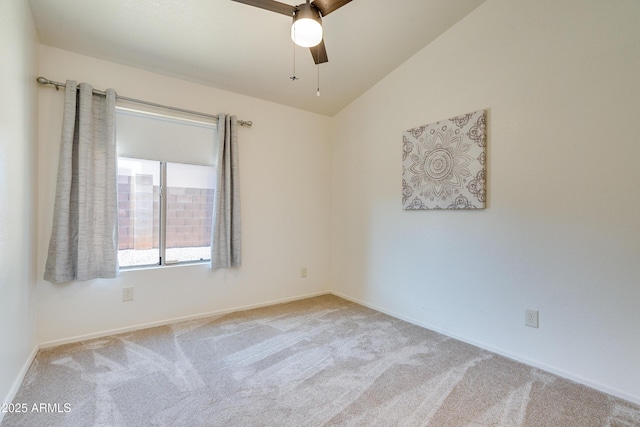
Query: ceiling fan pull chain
pixel 294 77
pixel 318 91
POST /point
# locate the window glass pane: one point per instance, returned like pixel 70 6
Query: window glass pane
pixel 190 191
pixel 138 212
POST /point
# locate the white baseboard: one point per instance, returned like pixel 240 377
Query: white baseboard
pixel 18 381
pixel 502 352
pixel 54 343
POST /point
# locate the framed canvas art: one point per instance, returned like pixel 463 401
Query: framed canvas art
pixel 444 164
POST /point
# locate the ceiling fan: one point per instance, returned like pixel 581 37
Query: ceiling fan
pixel 306 29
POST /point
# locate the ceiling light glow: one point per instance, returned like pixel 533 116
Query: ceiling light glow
pixel 306 30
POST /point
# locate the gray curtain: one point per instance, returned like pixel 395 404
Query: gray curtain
pixel 84 239
pixel 226 232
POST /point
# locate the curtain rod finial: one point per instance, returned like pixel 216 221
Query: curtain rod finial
pixel 42 80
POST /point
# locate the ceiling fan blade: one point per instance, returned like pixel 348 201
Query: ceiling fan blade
pixel 327 6
pixel 272 5
pixel 319 53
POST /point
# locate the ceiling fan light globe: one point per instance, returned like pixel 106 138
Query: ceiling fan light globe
pixel 306 32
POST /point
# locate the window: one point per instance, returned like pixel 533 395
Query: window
pixel 138 212
pixel 164 207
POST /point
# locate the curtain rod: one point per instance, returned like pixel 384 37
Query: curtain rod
pixel 44 81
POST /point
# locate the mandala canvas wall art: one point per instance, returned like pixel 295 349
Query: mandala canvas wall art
pixel 443 164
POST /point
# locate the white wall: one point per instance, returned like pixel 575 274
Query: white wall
pixel 18 114
pixel 285 185
pixel 561 232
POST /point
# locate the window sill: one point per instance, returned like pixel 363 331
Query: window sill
pixel 160 267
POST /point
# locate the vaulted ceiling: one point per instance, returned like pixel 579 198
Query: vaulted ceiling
pixel 247 50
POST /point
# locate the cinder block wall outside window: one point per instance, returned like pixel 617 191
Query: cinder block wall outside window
pixel 188 214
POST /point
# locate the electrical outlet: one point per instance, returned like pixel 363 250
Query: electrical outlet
pixel 127 294
pixel 531 318
pixel 303 272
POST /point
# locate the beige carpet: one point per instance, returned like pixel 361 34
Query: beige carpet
pixel 315 362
